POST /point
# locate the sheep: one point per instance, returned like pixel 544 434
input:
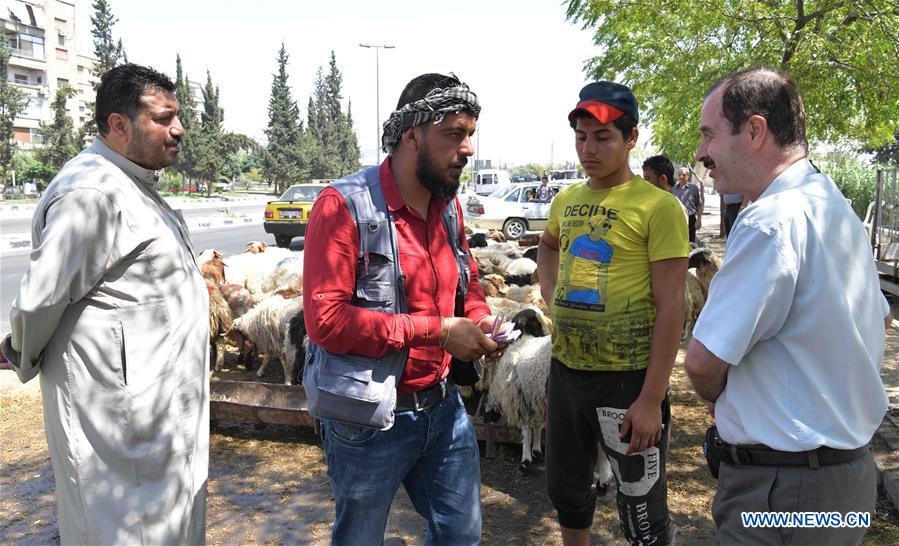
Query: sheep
pixel 265 325
pixel 531 253
pixel 519 271
pixel 529 294
pixel 255 247
pixel 518 391
pixel 493 285
pixel 703 264
pixel 496 256
pixel 213 269
pixel 283 278
pixel 477 240
pixel 207 255
pixel 294 349
pixel 220 321
pixel 496 235
pixel 694 300
pixel 707 263
pixel 252 270
pixel 240 301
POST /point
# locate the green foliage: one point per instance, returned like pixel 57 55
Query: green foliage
pixel 334 150
pixel 856 178
pixel 60 141
pixel 285 161
pixel 841 54
pixel 530 168
pixel 12 103
pixel 30 169
pixel 188 156
pixel 215 149
pixel 109 53
pixel 889 153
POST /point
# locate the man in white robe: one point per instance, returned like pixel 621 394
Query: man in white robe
pixel 112 315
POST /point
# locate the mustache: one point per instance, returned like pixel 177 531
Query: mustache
pixel 460 164
pixel 172 140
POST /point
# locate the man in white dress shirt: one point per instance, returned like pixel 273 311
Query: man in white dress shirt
pixel 112 315
pixel 788 346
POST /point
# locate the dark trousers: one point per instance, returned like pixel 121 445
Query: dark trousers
pixel 731 210
pixel 584 408
pixel 691 224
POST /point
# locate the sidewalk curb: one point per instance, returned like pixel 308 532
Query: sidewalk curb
pixel 205 223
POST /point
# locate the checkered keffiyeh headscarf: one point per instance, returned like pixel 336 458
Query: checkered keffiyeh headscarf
pixel 436 104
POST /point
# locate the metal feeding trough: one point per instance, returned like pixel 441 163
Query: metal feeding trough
pixel 254 402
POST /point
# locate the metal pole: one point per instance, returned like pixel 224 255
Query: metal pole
pixel 376 47
pixel 377 106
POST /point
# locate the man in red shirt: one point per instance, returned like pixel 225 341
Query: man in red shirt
pixel 431 448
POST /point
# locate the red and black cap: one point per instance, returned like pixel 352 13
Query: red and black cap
pixel 606 101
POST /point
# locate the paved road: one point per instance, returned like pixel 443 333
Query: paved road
pixel 227 240
pixel 21 225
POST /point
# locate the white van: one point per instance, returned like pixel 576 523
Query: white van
pixel 486 181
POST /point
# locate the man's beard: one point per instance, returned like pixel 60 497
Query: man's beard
pixel 441 186
pixel 143 151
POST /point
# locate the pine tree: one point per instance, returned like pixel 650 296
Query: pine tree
pixel 109 52
pixel 285 162
pixel 60 141
pixel 12 103
pixel 349 150
pixel 187 157
pixel 336 147
pixel 210 137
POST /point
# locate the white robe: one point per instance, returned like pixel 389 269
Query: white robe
pixel 113 313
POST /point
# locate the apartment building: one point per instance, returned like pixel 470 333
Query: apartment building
pixel 41 37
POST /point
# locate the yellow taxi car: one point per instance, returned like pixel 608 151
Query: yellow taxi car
pixel 288 217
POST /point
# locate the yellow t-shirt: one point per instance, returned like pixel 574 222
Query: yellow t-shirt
pixel 602 308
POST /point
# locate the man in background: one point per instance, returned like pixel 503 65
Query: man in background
pixel 691 197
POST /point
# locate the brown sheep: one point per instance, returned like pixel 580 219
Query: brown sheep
pixel 213 270
pixel 493 285
pixel 255 247
pixel 220 321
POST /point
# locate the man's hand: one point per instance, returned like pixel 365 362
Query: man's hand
pixel 462 338
pixel 644 421
pixel 699 220
pixel 486 325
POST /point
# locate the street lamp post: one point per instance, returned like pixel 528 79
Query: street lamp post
pixel 377 95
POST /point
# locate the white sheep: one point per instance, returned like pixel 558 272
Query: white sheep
pixel 519 271
pixel 252 270
pixel 529 294
pixel 518 391
pixel 495 257
pixel 265 325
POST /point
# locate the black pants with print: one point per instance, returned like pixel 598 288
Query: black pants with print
pixel 584 408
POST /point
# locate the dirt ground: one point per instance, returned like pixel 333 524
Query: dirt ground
pixel 268 484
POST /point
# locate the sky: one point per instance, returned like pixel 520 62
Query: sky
pixel 522 58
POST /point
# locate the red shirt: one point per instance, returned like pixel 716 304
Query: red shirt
pixel 426 258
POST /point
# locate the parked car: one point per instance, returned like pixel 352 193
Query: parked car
pixel 288 217
pixel 509 210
